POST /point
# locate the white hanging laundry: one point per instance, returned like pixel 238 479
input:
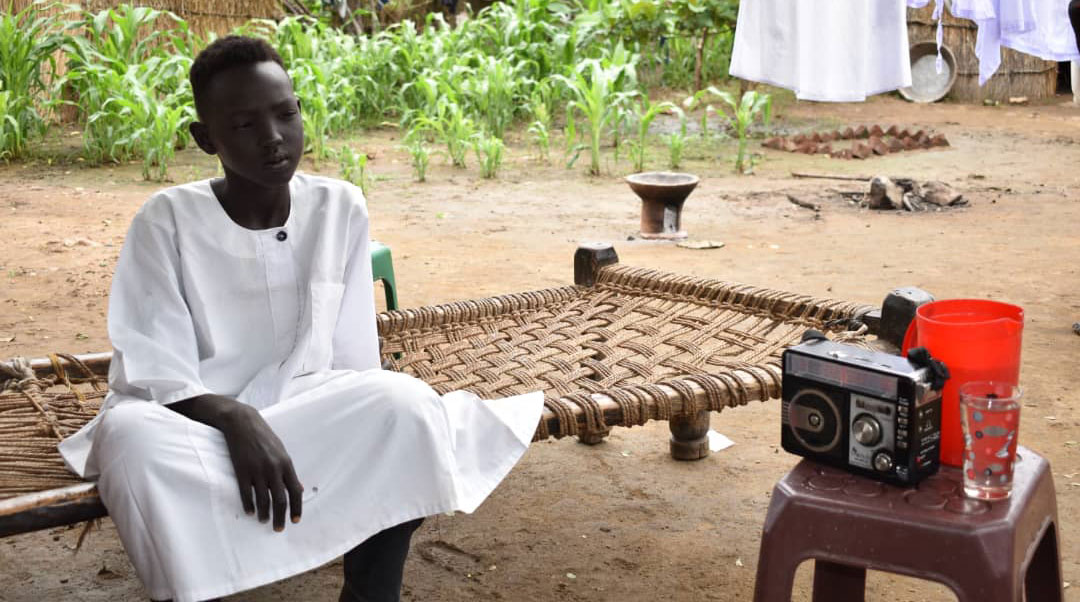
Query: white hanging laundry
pixel 1052 38
pixel 1037 27
pixel 1009 18
pixel 974 10
pixel 823 50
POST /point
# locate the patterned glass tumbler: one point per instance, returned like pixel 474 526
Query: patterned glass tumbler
pixel 990 416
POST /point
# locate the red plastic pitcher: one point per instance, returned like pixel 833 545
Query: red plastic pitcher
pixel 977 340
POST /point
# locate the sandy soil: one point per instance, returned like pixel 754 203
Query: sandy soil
pixel 626 521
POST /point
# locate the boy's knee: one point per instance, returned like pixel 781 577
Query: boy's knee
pixel 125 420
pixel 403 396
pixel 396 387
pixel 132 430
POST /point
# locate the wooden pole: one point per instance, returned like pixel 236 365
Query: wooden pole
pixel 699 60
pixel 826 176
pixel 48 509
pixel 97 362
pixel 804 204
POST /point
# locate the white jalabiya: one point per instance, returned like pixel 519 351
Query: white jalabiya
pixel 824 50
pixel 282 319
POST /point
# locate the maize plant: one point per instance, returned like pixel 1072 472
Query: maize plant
pixel 129 81
pixel 353 168
pixel 597 93
pixel 744 113
pixel 644 113
pixel 452 127
pixel 489 152
pixel 28 41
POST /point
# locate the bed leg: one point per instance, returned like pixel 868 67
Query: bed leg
pixel 593 438
pixel 689 440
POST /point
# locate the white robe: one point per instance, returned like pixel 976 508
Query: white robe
pixel 282 319
pixel 823 50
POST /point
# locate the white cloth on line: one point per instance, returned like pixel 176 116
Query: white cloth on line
pixel 1040 28
pixel 282 319
pixel 823 50
pixel 1052 38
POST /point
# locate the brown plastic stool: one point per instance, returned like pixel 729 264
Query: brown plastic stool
pixel 984 551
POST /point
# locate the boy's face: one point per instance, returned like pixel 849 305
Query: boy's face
pixel 251 121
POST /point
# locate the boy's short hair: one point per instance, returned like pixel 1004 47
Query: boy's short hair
pixel 225 53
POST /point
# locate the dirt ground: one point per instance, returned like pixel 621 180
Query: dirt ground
pixel 621 520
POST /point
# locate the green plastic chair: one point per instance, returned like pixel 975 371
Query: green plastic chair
pixel 382 268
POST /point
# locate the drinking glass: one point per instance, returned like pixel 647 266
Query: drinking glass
pixel 990 417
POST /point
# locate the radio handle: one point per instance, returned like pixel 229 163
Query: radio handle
pixel 812 335
pixel 939 372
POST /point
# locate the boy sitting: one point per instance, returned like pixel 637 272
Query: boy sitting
pixel 245 379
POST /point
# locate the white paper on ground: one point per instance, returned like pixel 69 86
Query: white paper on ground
pixel 718 442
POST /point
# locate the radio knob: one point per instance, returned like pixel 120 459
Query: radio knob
pixel 883 462
pixel 866 430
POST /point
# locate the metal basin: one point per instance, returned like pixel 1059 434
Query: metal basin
pixel 927 85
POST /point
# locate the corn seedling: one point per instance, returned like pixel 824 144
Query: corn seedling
pixel 419 97
pixel 149 123
pixel 697 100
pixel 420 156
pixel 495 91
pixel 540 128
pixel 129 81
pixel 542 138
pixel 155 138
pixel 744 113
pixel 353 168
pixel 117 35
pixel 319 109
pixel 28 40
pixel 644 113
pixel 597 93
pixel 451 127
pixel 676 142
pixel 573 147
pixel 8 125
pixel 419 153
pixel 489 152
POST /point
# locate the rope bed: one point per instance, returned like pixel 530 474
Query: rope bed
pixel 636 345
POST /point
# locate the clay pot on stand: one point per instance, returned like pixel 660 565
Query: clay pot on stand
pixel 662 196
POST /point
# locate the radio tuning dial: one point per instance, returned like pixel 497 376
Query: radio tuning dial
pixel 866 430
pixel 883 462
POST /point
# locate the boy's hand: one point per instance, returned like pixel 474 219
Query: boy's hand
pixel 262 464
pixel 259 458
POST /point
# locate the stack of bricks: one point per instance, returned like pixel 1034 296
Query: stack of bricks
pixel 865 142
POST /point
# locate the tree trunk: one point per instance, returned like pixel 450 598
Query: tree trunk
pixel 699 59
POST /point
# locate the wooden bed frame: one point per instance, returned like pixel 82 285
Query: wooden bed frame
pixel 619 348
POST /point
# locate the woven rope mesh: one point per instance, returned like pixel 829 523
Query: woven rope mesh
pixel 35 415
pixel 634 328
pixel 623 338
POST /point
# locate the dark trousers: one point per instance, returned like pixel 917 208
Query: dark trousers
pixel 373 569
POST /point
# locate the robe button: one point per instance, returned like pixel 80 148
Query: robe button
pixel 281 235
